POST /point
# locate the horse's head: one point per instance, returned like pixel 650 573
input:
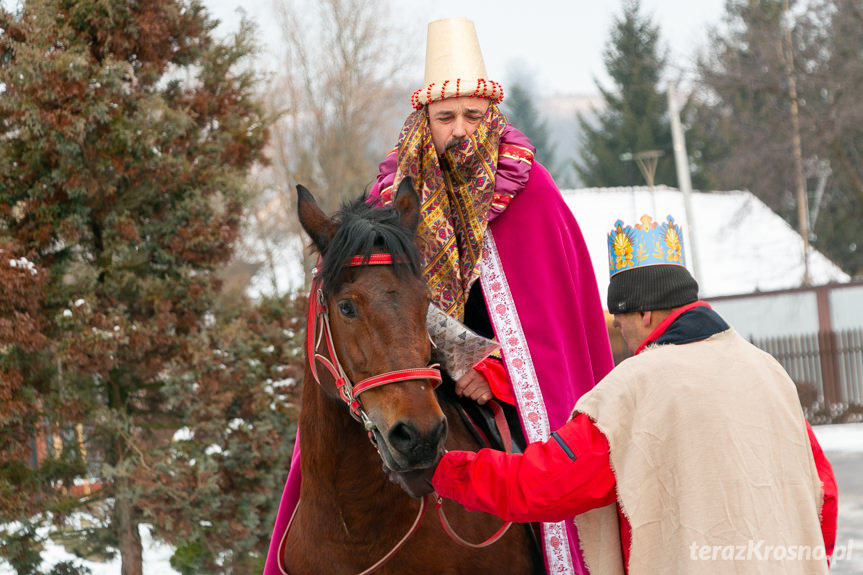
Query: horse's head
pixel 377 317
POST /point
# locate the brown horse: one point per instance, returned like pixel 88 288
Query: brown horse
pixel 349 516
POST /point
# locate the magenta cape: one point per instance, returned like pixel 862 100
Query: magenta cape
pixel 544 304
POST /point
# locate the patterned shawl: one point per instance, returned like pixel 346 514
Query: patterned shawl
pixel 457 192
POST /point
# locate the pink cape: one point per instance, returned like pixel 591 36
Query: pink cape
pixel 544 304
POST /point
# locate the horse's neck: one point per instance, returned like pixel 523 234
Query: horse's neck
pixel 339 463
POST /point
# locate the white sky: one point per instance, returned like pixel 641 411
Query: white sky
pixel 560 41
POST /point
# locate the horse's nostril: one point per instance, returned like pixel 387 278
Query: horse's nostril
pixel 439 433
pixel 402 436
pixel 417 446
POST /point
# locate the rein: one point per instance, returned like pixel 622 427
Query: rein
pixel 377 565
pixel 318 328
pixel 506 440
pixel 495 537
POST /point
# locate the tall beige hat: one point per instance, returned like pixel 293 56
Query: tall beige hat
pixel 454 65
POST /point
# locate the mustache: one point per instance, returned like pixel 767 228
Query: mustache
pixel 453 142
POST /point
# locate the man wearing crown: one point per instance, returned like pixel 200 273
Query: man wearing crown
pixel 692 456
pixel 501 252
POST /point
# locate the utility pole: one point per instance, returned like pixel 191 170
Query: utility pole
pixel 684 182
pixel 802 215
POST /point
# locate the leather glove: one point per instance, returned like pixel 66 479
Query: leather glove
pixel 416 483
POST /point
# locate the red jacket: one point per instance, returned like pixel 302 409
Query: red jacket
pixel 570 473
pixel 565 476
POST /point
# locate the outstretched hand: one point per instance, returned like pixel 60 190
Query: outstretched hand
pixel 416 483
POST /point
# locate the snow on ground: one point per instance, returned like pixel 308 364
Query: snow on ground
pixel 843 444
pixel 157 558
pixel 840 438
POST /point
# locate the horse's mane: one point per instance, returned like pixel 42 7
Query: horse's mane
pixel 362 230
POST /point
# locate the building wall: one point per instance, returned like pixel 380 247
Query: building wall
pixel 846 307
pixel 802 311
pixel 771 316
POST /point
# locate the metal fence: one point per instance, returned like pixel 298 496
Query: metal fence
pixel 827 368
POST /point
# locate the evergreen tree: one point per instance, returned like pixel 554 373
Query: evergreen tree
pixel 21 336
pixel 634 118
pixel 741 118
pixel 744 74
pixel 126 131
pixel 213 490
pixel 520 111
pixel 838 135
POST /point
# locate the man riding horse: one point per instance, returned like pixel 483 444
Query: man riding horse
pixel 491 212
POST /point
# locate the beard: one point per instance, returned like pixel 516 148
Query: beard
pixel 453 142
pixel 459 155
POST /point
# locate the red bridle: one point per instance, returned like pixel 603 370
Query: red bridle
pixel 318 328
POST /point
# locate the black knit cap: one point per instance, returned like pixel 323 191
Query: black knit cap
pixel 646 288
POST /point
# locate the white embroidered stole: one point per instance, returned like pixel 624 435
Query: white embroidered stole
pixel 519 364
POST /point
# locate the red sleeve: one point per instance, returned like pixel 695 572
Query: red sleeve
pixel 551 481
pixel 498 382
pixel 830 504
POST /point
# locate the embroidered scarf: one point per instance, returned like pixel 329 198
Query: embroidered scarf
pixel 456 192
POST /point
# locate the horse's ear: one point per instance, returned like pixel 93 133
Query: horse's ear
pixel 316 223
pixel 407 203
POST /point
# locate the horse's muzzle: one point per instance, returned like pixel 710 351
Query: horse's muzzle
pixel 411 448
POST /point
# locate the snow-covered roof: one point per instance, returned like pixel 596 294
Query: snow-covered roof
pixel 741 245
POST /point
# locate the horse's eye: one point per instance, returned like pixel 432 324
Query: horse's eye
pixel 347 308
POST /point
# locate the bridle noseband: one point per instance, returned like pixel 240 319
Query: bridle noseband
pixel 318 328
